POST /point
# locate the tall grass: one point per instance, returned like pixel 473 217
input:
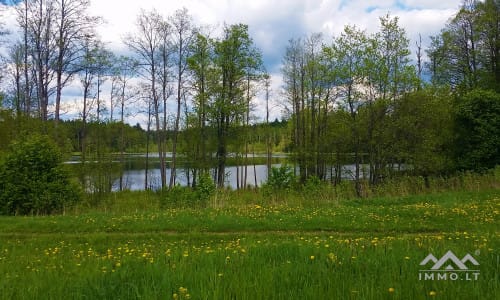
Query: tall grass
pixel 129 257
pixel 317 242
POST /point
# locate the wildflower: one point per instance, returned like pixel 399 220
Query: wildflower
pixel 312 257
pixel 391 290
pixel 432 293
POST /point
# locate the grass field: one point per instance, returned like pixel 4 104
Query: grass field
pixel 358 249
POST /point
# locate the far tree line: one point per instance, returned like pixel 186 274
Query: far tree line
pixel 356 98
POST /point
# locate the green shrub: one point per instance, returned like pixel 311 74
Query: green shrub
pixel 281 181
pixel 205 188
pixel 179 196
pixel 33 181
pixel 313 185
pixel 478 131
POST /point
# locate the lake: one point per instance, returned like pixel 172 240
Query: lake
pixel 133 174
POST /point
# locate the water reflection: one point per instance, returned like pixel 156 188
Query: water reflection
pixel 134 180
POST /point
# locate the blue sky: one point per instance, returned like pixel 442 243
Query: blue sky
pixel 272 23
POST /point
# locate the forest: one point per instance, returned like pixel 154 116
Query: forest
pixel 358 98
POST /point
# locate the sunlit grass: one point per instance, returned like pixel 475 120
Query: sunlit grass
pixel 364 249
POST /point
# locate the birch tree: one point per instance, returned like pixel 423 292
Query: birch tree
pixel 146 44
pixel 183 36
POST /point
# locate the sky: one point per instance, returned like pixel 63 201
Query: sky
pixel 272 23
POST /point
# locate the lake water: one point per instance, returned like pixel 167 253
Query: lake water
pixel 134 179
pixel 133 175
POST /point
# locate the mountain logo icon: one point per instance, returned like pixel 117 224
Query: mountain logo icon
pixel 449 262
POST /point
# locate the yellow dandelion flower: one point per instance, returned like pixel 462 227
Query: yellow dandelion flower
pixel 312 257
pixel 432 293
pixel 391 290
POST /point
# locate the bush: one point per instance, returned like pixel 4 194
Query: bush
pixel 179 196
pixel 205 188
pixel 280 180
pixel 478 131
pixel 33 181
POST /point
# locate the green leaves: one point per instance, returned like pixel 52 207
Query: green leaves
pixel 478 130
pixel 32 181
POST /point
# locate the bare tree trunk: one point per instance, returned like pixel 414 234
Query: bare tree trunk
pixel 148 132
pixel 268 133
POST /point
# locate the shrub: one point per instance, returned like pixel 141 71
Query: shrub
pixel 280 180
pixel 33 181
pixel 179 196
pixel 205 188
pixel 478 131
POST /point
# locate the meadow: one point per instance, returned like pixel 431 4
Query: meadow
pixel 132 248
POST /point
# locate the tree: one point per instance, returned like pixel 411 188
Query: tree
pixel 421 126
pixel 89 67
pixel 73 26
pixel 349 50
pixel 146 44
pixel 389 76
pixel 123 71
pixel 488 21
pixel 478 130
pixel 228 107
pixel 269 147
pixel 466 54
pixel 40 28
pixel 15 71
pixel 33 181
pixel 201 69
pixel 183 36
pixel 293 77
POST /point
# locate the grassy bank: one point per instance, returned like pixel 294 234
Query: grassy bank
pixel 364 249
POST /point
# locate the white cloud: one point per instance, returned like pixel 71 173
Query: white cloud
pixel 273 22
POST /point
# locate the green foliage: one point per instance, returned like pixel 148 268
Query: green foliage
pixel 313 186
pixel 205 188
pixel 422 131
pixel 180 196
pixel 177 196
pixel 32 180
pixel 478 130
pixel 465 54
pixel 280 180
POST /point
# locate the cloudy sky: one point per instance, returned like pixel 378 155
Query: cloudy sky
pixel 273 22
